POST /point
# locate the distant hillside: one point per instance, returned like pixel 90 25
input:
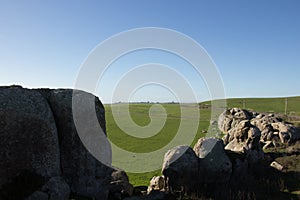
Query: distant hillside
pixel 276 105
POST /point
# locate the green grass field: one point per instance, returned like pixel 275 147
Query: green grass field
pixel 140 115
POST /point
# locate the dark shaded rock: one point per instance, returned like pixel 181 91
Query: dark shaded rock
pixel 188 171
pixel 84 174
pixel 57 189
pixel 240 165
pixel 139 190
pixel 28 135
pixel 214 165
pixel 154 195
pixel 21 186
pixel 119 175
pixel 42 151
pixel 119 185
pixel 158 195
pixel 38 195
pixel 294 149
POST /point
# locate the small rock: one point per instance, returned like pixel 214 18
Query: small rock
pixel 277 166
pixel 156 183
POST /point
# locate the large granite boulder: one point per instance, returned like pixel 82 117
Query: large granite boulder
pixel 29 143
pixel 56 188
pixel 180 168
pixel 214 165
pixel 84 174
pixel 44 155
pixel 190 170
pixel 240 165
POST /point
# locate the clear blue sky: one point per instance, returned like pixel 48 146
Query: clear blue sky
pixel 255 44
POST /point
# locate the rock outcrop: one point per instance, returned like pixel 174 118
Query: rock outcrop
pixel 217 166
pixel 213 161
pixel 42 156
pixel 28 139
pixel 84 174
pixel 187 170
pixel 245 138
pixel 231 117
pixel 180 168
pixel 274 130
pixel 214 164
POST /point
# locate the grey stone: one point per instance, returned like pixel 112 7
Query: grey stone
pixel 287 133
pixel 214 165
pixel 38 195
pixel 245 138
pixel 269 125
pixel 57 189
pixel 84 174
pixel 28 135
pixel 180 168
pixel 277 166
pixel 231 117
pixel 119 185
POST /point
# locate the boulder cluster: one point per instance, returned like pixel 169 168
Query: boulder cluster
pixel 42 156
pixel 274 130
pixel 214 162
pixel 209 163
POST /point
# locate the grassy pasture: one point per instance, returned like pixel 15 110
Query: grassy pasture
pixel 139 113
